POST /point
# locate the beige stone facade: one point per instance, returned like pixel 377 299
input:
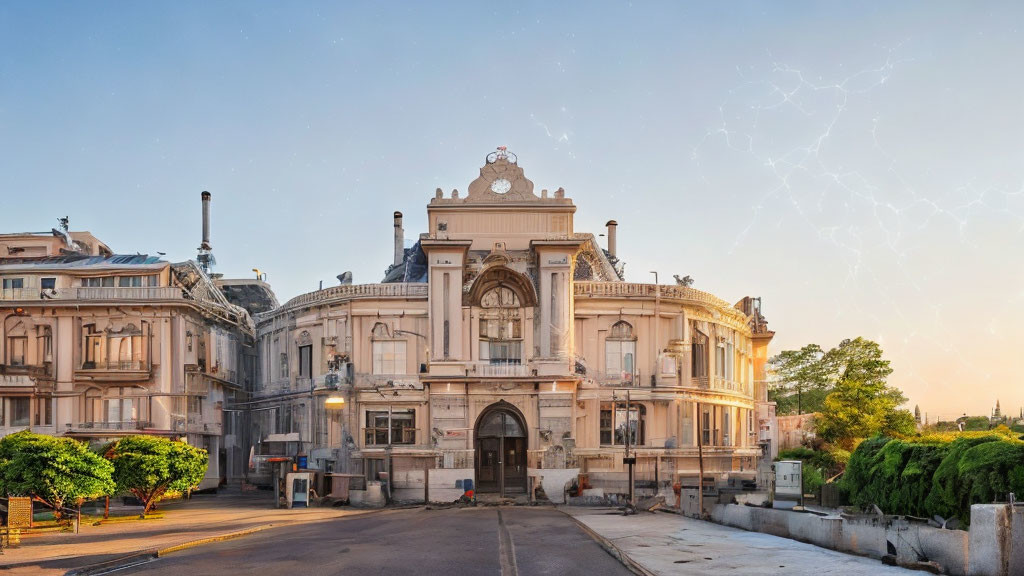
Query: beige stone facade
pixel 96 345
pixel 505 344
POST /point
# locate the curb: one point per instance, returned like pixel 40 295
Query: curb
pixel 151 554
pixel 611 548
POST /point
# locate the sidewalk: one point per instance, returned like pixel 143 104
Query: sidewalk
pixel 204 516
pixel 663 543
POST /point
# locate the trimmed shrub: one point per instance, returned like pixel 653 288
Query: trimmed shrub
pixel 936 474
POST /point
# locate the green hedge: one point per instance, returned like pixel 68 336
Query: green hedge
pixel 938 474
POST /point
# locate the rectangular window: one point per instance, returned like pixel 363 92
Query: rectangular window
pixel 726 430
pixel 48 283
pixel 687 423
pixel 402 427
pixel 46 407
pixel 606 426
pixel 618 425
pixel 153 280
pixel 706 427
pixel 389 357
pixel 16 345
pixel 105 282
pixel 619 359
pixel 13 283
pixel 129 281
pixel 21 409
pixel 699 355
pixel 3 411
pixel 502 351
pixel 305 361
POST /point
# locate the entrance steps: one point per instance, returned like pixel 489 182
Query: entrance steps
pixel 498 500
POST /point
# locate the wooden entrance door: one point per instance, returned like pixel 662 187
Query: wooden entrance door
pixel 500 452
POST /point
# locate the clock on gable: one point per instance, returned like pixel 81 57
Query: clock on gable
pixel 500 186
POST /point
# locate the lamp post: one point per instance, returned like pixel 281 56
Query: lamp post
pixel 657 321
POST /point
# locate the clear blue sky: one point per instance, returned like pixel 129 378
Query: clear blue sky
pixel 859 167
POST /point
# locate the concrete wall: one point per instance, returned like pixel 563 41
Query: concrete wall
pixel 873 535
pixel 997 540
pixel 442 483
pixel 554 481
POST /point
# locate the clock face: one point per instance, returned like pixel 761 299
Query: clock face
pixel 500 186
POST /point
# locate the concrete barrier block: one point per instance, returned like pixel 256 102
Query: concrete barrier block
pixel 989 540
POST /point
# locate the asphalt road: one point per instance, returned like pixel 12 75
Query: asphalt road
pixel 508 541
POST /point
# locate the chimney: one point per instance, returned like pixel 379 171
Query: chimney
pixel 399 239
pixel 612 225
pixel 206 222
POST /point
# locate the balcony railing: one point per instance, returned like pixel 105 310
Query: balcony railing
pixel 117 365
pixel 44 371
pixel 111 426
pixel 20 294
pixel 94 293
pixel 353 291
pixel 504 369
pixel 128 293
pixel 635 290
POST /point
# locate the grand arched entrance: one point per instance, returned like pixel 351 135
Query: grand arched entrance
pixel 500 442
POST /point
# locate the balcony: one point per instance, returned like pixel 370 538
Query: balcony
pixel 355 291
pixel 94 293
pixel 719 384
pixel 115 371
pixel 194 426
pixel 619 379
pixel 120 426
pixel 501 370
pixel 43 372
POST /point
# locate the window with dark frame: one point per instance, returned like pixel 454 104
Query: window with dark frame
pixel 403 427
pixel 616 424
pixel 699 355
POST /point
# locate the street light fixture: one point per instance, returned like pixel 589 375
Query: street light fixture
pixel 334 403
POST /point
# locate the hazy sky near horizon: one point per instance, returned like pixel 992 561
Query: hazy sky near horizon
pixel 857 166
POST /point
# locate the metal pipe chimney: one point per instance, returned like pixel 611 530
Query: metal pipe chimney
pixel 612 225
pixel 206 222
pixel 399 239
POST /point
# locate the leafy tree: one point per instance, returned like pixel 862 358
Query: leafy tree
pixel 976 423
pixel 800 382
pixel 149 466
pixel 856 410
pixel 857 360
pixel 54 471
pixel 846 387
pixel 899 423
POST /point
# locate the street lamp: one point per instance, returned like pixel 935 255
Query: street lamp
pixel 334 403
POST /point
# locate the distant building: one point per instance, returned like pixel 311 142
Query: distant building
pixel 506 344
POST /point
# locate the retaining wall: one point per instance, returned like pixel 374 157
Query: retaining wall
pixel 909 542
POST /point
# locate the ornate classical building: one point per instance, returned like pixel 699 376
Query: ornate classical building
pixel 505 344
pixel 96 345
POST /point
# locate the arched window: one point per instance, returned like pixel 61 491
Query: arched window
pixel 501 327
pixel 619 424
pixel 388 353
pixel 620 353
